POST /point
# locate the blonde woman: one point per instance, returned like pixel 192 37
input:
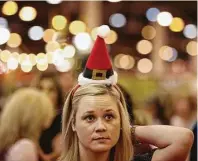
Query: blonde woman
pixel 96 125
pixel 25 115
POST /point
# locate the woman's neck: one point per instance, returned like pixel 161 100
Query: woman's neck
pixel 87 155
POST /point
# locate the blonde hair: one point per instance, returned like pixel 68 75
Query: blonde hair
pixel 24 116
pixel 123 150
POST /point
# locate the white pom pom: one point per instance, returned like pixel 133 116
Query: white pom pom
pixel 103 31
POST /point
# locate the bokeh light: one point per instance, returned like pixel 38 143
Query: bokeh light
pixel 3 22
pixel 12 63
pixel 148 32
pixel 3 68
pixel 77 27
pixel 69 51
pixel 42 67
pixel 5 55
pixel 111 38
pixel 54 1
pixel 23 57
pixel 14 40
pixel 65 65
pixel 41 59
pixel 15 55
pixel 28 13
pixel 126 62
pixel 4 35
pixel 50 57
pixel 59 22
pixel 94 33
pixel 114 1
pixel 174 56
pixel 49 35
pixel 83 41
pixel 151 14
pixel 52 46
pixel 9 8
pixel 191 48
pixel 36 33
pixel 117 60
pixel 26 66
pixel 117 20
pixel 190 31
pixel 177 24
pixel 144 65
pixel 144 47
pixel 32 58
pixel 164 18
pixel 166 53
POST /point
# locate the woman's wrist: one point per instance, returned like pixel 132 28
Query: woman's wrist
pixel 134 139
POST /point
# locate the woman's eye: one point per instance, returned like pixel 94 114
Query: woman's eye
pixel 109 117
pixel 89 118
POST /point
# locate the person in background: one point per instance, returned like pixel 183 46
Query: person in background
pixel 26 113
pixel 66 81
pixel 158 111
pixel 185 112
pixel 49 140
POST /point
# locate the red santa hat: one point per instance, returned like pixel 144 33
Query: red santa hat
pixel 98 68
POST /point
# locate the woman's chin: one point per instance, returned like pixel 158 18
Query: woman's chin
pixel 101 148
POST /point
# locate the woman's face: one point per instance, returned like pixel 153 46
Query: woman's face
pixel 97 123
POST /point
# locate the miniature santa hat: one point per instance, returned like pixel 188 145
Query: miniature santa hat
pixel 98 68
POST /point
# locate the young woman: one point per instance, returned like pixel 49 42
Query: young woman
pixel 96 124
pixel 25 115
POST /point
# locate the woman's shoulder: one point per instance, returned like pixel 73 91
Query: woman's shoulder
pixel 23 143
pixel 22 149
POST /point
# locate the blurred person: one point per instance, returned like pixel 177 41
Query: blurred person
pixel 158 111
pixel 49 140
pixel 184 112
pixel 137 116
pixel 96 124
pixel 26 113
pixel 129 103
pixel 67 81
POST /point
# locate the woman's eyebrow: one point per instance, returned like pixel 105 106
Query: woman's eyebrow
pixel 88 112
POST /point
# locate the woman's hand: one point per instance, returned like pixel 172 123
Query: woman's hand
pixel 174 143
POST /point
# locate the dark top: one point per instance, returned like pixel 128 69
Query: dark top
pixel 143 157
pixel 48 135
pixel 193 152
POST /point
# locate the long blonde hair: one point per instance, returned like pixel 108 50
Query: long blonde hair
pixel 24 116
pixel 123 150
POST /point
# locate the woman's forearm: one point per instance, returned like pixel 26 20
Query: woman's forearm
pixel 174 143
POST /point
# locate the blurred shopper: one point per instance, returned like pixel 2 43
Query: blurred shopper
pixel 67 81
pixel 157 111
pixel 49 140
pixel 137 116
pixel 26 113
pixel 184 112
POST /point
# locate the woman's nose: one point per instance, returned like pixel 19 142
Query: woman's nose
pixel 100 126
